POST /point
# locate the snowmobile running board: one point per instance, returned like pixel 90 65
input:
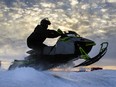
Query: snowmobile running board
pixel 101 53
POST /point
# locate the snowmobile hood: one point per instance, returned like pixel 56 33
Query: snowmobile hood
pixel 88 42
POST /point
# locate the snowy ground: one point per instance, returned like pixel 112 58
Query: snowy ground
pixel 28 77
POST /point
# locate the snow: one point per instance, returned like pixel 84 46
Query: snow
pixel 29 77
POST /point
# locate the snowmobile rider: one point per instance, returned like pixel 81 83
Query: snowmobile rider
pixel 38 36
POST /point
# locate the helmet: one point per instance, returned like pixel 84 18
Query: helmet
pixel 45 21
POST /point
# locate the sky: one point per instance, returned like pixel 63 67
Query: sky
pixel 93 19
pixel 112 0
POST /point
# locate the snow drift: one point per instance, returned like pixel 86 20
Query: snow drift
pixel 29 77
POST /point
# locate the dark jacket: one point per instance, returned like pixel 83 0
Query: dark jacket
pixel 36 39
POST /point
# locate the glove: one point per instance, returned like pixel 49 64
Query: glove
pixel 60 31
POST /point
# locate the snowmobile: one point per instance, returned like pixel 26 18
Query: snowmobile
pixel 69 47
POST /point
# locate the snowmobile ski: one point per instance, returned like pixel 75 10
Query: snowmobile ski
pixel 101 53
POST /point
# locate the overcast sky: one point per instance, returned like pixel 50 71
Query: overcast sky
pixel 93 19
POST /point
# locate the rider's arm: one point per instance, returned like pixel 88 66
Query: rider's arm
pixel 52 34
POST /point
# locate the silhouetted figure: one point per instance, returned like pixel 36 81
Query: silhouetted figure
pixel 36 39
